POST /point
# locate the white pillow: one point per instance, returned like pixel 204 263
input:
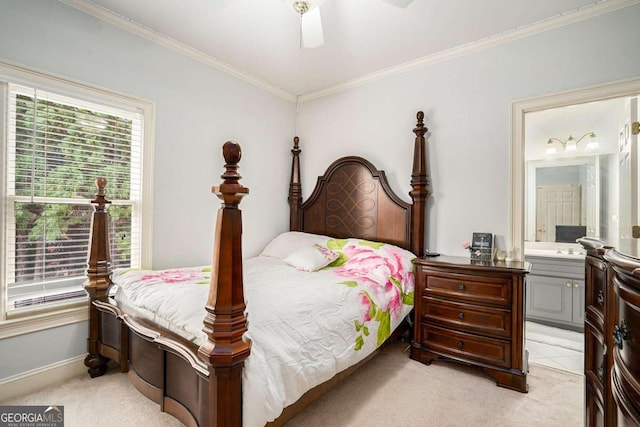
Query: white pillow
pixel 291 241
pixel 311 258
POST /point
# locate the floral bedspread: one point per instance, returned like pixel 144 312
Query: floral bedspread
pixel 304 326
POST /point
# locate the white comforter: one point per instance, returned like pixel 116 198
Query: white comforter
pixel 305 327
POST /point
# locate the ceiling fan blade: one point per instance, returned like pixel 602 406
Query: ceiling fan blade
pixel 312 35
pixel 399 3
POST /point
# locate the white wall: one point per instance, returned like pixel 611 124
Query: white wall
pixel 23 353
pixel 467 103
pixel 197 109
pixel 466 100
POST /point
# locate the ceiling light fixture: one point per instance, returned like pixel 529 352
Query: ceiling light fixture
pixel 571 144
pixel 311 34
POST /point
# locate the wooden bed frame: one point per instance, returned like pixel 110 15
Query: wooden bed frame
pixel 203 386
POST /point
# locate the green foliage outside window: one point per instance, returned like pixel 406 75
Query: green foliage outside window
pixel 60 150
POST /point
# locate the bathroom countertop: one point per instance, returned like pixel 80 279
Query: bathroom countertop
pixel 550 253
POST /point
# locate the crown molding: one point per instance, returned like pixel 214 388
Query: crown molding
pixel 599 8
pixel 165 41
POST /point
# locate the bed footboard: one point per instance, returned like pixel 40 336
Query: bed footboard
pixel 200 386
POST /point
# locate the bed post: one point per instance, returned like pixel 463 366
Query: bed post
pixel 295 188
pixel 225 322
pixel 419 192
pixel 98 280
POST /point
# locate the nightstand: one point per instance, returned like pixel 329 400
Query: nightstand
pixel 472 312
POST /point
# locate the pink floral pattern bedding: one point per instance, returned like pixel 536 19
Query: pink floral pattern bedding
pixel 384 280
pixel 304 326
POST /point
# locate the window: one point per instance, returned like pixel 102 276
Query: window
pixel 55 146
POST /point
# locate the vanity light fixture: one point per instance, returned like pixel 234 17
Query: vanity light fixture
pixel 571 144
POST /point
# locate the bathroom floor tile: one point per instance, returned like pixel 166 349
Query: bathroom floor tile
pixel 555 348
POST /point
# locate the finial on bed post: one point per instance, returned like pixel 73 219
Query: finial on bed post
pixel 419 192
pixel 295 188
pixel 225 322
pixel 98 280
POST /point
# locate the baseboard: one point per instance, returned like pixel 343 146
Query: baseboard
pixel 35 380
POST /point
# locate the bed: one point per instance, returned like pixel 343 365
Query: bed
pixel 351 241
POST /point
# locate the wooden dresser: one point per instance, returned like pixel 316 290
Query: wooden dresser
pixel 612 333
pixel 472 312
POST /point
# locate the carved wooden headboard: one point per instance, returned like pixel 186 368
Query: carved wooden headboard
pixel 354 199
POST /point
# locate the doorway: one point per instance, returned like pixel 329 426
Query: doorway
pixel 609 200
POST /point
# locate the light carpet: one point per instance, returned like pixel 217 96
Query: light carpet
pixel 390 390
pixel 393 390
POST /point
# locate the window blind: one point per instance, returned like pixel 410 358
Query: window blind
pixel 57 147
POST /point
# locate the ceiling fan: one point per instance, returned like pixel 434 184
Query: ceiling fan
pixel 311 23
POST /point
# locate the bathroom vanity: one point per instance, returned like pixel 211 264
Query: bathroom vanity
pixel 556 289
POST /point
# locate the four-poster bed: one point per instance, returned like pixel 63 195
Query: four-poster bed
pixel 352 211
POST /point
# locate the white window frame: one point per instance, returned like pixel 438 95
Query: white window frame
pixel 39 319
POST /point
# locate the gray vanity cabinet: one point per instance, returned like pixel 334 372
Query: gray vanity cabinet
pixel 555 291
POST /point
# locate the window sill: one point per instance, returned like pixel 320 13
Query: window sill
pixel 41 321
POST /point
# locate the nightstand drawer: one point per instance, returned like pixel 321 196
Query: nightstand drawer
pixel 488 291
pixel 491 351
pixel 470 318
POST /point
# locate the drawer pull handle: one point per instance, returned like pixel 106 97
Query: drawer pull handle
pixel 568 284
pixel 576 285
pixel 461 316
pixel 601 297
pixel 461 287
pixel 620 334
pixel 460 344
